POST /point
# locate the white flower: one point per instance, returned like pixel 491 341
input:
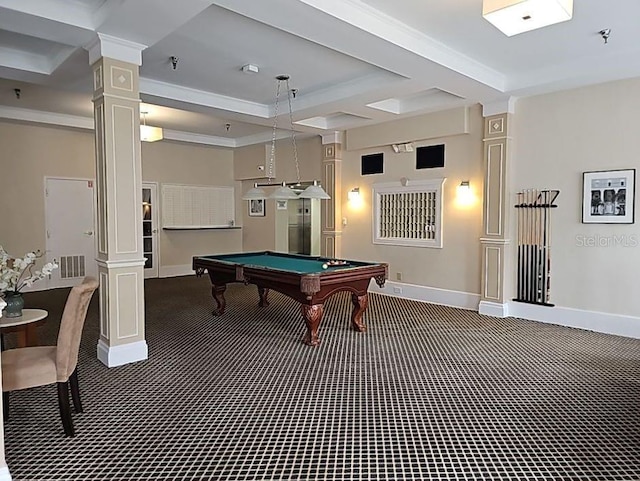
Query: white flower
pixel 16 273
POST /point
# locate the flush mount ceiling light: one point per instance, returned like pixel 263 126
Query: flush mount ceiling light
pixel 148 133
pixel 285 191
pixel 512 17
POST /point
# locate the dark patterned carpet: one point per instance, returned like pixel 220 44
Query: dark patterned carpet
pixel 428 393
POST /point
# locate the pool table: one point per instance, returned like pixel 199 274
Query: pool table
pixel 307 279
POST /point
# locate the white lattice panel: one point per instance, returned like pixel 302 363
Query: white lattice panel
pixel 408 214
pixel 192 207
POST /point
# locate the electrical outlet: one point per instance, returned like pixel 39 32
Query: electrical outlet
pixel 398 276
pixel 397 290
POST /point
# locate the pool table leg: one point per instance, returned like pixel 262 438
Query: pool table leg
pixel 312 316
pixel 263 292
pixel 360 304
pixel 217 291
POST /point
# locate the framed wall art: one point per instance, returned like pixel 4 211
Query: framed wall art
pixel 608 197
pixel 256 208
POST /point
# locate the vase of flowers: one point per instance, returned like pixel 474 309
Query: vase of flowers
pixel 17 273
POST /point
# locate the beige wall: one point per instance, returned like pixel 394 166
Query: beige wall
pixel 191 164
pixel 258 233
pixel 28 154
pixel 457 265
pixel 31 152
pixel 557 138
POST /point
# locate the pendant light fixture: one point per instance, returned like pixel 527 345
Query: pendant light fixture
pixel 148 133
pixel 284 191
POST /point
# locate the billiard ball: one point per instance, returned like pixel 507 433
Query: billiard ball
pixel 324 266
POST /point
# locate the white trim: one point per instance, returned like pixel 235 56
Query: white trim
pixel 121 264
pixel 104 45
pixel 335 137
pixel 192 138
pixel 445 297
pixel 154 188
pixel 175 271
pixel 491 240
pixel 112 356
pixel 493 309
pixel 499 106
pixel 42 117
pixel 604 322
pixel 490 161
pixel 5 475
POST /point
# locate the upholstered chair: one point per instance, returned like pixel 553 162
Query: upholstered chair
pixel 27 367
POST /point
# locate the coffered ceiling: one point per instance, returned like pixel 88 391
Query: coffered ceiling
pixel 352 62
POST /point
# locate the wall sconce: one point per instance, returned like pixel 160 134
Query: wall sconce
pixel 354 194
pixel 465 197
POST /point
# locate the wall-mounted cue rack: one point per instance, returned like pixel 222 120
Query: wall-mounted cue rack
pixel 534 245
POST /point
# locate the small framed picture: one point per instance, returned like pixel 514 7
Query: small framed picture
pixel 256 208
pixel 608 197
pixel 281 204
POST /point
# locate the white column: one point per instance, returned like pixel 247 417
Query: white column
pixel 120 259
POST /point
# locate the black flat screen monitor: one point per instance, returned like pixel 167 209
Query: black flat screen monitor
pixel 372 164
pixel 430 157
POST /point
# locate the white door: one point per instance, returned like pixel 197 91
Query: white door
pixel 150 228
pixel 70 223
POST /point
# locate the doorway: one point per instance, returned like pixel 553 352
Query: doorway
pixel 304 226
pixel 70 226
pixel 150 228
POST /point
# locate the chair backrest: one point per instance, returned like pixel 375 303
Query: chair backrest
pixel 73 316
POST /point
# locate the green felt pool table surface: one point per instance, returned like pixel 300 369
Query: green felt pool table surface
pixel 286 262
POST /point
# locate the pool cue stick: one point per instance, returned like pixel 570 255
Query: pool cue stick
pixel 541 208
pixel 552 198
pixel 527 250
pixel 532 292
pixel 534 248
pixel 543 281
pixel 547 259
pixel 519 221
pixel 522 243
pixel 538 245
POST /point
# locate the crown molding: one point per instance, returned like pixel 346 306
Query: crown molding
pixel 202 98
pixel 42 117
pixel 86 123
pixel 104 45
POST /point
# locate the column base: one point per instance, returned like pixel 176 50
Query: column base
pixel 493 309
pixel 112 356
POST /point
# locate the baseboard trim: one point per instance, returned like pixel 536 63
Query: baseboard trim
pixel 604 322
pixel 5 475
pixel 112 356
pixel 445 297
pixel 175 271
pixel 493 309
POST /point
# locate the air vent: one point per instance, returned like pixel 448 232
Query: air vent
pixel 71 267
